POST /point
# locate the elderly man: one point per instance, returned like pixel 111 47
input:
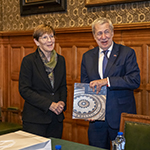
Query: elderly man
pixel 115 66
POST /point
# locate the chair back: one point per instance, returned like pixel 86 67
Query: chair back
pixel 7 126
pixel 136 130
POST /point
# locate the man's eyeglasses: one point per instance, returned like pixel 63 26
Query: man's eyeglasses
pixel 46 38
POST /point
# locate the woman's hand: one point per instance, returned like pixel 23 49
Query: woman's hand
pixel 58 107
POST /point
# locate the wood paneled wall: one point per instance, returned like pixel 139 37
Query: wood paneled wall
pixel 72 43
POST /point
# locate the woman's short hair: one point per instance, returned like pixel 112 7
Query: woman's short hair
pixel 42 29
pixel 101 21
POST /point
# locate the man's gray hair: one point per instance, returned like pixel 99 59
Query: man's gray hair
pixel 101 21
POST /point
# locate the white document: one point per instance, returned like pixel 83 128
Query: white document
pixel 40 146
pixel 21 140
pixel 87 104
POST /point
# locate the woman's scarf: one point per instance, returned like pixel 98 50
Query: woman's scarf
pixel 49 65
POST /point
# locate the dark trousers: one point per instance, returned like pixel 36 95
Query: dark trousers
pixel 100 134
pixel 53 129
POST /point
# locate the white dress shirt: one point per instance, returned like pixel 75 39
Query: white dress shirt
pixel 100 62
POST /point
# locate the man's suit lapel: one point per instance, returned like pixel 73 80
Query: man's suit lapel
pixel 113 56
pixel 96 62
pixel 41 70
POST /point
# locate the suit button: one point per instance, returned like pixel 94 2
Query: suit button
pixel 52 93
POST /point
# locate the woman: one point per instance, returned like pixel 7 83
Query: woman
pixel 42 84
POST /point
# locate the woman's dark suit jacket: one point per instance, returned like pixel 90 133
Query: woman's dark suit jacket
pixel 36 89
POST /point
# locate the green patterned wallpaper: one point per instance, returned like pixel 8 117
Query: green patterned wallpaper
pixel 77 15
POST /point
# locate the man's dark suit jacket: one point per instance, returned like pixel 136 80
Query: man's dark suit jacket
pixel 36 89
pixel 124 76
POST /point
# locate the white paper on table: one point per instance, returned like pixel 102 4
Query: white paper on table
pixel 40 146
pixel 19 140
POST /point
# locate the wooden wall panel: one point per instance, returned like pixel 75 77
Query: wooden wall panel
pixel 15 59
pixel 68 112
pixel 147 68
pixel 1 64
pixel 138 97
pixel 139 41
pixel 28 49
pixel 67 52
pixel 5 75
pixel 147 60
pixel 67 128
pixel 14 95
pixel 138 93
pixel 73 56
pixel 72 43
pixel 1 73
pixel 79 53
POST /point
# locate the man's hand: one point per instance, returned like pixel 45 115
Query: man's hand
pixel 58 107
pixel 98 84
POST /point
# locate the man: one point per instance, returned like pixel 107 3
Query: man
pixel 121 76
